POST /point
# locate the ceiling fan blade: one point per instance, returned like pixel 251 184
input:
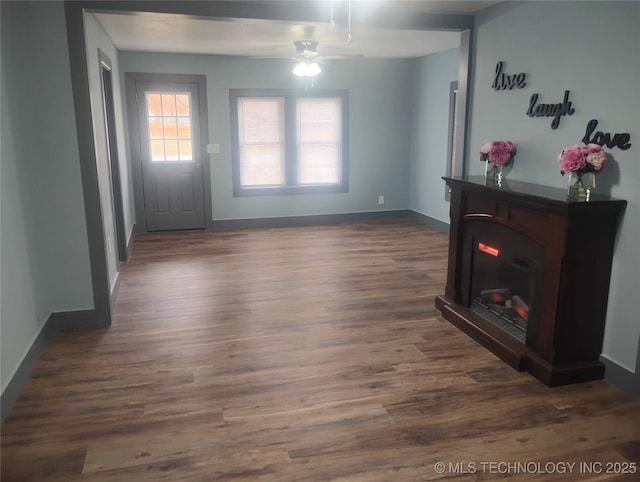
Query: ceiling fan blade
pixel 343 56
pixel 272 57
pixel 310 54
pixel 306 51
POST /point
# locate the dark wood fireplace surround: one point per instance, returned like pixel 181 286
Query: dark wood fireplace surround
pixel 577 239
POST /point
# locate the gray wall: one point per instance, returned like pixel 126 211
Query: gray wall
pixel 96 38
pixel 380 115
pixel 433 75
pixel 44 250
pixel 591 49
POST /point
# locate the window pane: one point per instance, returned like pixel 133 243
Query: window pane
pixel 261 141
pixel 261 165
pixel 171 150
pixel 185 150
pixel 260 120
pixel 154 107
pixel 170 127
pixel 155 128
pixel 183 104
pixel 319 120
pixel 319 132
pixel 168 104
pixel 184 127
pixel 318 164
pixel 157 150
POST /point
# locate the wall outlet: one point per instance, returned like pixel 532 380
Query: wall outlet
pixel 380 199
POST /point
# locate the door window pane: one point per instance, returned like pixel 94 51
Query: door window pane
pixel 155 128
pixel 169 120
pixel 154 104
pixel 184 128
pixel 170 127
pixel 168 104
pixel 185 148
pixel 182 105
pixel 157 150
pixel 171 149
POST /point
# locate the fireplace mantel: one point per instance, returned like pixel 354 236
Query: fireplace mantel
pixel 577 239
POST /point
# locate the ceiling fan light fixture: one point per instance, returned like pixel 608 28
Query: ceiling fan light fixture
pixel 306 68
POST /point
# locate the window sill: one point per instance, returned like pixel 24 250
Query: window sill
pixel 290 190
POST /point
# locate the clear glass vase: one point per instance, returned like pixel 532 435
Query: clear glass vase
pixel 580 185
pixel 493 174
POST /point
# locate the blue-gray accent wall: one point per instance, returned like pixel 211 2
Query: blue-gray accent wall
pixel 380 136
pixel 591 49
pixel 432 77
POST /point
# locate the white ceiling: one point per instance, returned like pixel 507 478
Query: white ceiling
pixel 160 32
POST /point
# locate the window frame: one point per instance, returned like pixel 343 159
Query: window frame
pixel 290 98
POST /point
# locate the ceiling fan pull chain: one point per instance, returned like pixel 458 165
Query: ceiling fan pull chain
pixel 349 24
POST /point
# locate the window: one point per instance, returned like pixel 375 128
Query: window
pixel 289 143
pixel 319 136
pixel 169 117
pixel 261 141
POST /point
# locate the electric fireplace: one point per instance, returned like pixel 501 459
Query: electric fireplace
pixel 524 278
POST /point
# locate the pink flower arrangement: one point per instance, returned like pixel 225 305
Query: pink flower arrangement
pixel 499 153
pixel 590 158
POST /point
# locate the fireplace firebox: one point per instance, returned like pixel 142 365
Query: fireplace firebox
pixel 528 275
pixel 503 282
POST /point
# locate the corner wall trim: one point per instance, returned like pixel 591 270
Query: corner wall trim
pixel 130 239
pixel 311 220
pixel 638 359
pixel 429 221
pixel 621 377
pixel 65 320
pixel 74 15
pixel 115 288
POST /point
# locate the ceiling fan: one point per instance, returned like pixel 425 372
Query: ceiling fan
pixel 308 49
pixel 307 56
pixel 308 59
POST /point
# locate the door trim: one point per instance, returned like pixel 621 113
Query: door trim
pixel 131 78
pixel 115 183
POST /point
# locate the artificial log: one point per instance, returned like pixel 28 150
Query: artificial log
pixel 520 307
pixel 499 295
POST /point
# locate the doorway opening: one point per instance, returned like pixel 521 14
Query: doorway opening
pixel 115 183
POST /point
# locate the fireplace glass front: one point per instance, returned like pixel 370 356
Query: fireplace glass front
pixel 503 282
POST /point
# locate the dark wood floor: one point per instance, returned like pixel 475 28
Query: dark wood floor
pixel 298 354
